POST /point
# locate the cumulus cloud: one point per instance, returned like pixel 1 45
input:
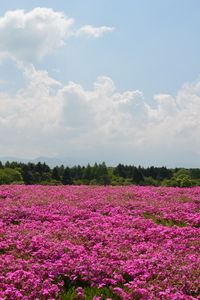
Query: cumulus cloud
pixel 34 34
pixel 30 36
pixel 47 117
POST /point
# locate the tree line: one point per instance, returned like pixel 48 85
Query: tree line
pixel 97 174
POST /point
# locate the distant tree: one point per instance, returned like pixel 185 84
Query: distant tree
pixel 102 176
pixel 9 175
pixel 185 182
pixel 120 171
pixel 195 173
pixel 137 176
pixel 129 171
pixel 28 176
pixel 39 168
pixel 41 173
pixel 101 170
pixel 30 166
pixel 150 181
pixel 14 165
pixel 104 179
pixel 152 172
pixel 46 168
pixel 163 173
pixel 66 179
pixel 79 172
pixel 88 173
pixel 61 170
pixel 94 170
pixel 55 174
pixel 182 173
pixel 7 164
pixel 44 177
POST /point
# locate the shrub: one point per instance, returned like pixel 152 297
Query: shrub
pixel 9 175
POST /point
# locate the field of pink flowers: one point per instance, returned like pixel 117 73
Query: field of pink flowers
pixel 80 242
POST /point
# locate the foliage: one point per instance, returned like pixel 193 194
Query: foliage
pixel 150 181
pixel 100 174
pixel 181 178
pixel 82 290
pixel 8 175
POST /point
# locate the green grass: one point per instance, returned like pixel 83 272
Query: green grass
pixel 164 222
pixel 70 291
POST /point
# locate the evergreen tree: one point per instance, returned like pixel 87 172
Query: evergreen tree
pixel 55 174
pixel 88 173
pixel 120 171
pixel 46 168
pixel 7 164
pixel 39 168
pixel 28 175
pixel 163 173
pixel 102 176
pixel 61 170
pixel 137 176
pixel 66 179
pixel 79 172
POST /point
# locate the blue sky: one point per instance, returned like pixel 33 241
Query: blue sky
pixel 146 56
pixel 155 46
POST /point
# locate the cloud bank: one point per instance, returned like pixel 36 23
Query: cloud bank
pixel 32 35
pixel 48 118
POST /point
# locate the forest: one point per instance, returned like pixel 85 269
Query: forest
pixel 97 174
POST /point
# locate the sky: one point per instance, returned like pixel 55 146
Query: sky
pixel 98 80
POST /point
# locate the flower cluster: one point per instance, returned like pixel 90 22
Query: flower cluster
pixel 132 242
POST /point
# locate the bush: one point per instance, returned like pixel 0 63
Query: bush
pixel 180 181
pixel 8 175
pixel 185 182
pixel 150 181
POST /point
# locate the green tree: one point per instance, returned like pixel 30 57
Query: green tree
pixel 102 176
pixel 66 179
pixel 185 182
pixel 8 175
pixel 120 171
pixel 88 173
pixel 39 168
pixel 137 176
pixel 55 174
pixel 195 173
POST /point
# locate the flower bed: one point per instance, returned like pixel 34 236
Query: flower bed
pixel 80 242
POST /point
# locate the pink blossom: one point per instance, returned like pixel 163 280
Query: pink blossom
pixel 137 242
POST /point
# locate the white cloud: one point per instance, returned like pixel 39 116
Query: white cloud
pixel 30 36
pixel 47 118
pixel 92 31
pixel 34 34
pixel 68 115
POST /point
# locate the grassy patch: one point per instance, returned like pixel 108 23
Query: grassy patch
pixel 164 222
pixel 15 222
pixel 185 199
pixel 70 291
pixel 2 251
